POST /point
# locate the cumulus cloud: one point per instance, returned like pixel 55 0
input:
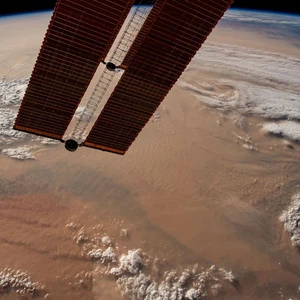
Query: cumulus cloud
pixel 20 283
pixel 11 92
pixel 291 218
pixel 140 276
pixel 287 129
pixel 19 153
pixel 190 284
pixel 11 95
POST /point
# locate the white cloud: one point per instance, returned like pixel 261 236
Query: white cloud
pixel 19 282
pixel 7 117
pixel 291 218
pixel 139 276
pixel 131 263
pixel 189 284
pixel 249 81
pixel 260 17
pixel 19 153
pixel 79 111
pixel 12 92
pixel 288 129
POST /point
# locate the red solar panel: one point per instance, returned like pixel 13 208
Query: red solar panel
pixel 78 38
pixel 170 37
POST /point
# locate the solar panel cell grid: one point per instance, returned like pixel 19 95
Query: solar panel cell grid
pixel 79 36
pixel 170 37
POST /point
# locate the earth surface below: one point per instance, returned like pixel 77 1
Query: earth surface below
pixel 199 207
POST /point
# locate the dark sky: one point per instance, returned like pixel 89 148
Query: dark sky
pixel 14 6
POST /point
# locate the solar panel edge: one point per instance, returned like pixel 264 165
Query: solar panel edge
pixel 103 148
pixel 37 132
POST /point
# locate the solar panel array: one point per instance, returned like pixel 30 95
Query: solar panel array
pixel 79 36
pixel 169 38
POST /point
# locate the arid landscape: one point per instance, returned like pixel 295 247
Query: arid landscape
pixel 190 212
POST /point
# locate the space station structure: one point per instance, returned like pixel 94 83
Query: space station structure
pixel 156 44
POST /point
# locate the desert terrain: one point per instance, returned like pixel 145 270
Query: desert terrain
pixel 200 187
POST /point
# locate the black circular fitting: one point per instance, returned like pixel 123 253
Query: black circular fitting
pixel 71 145
pixel 111 66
